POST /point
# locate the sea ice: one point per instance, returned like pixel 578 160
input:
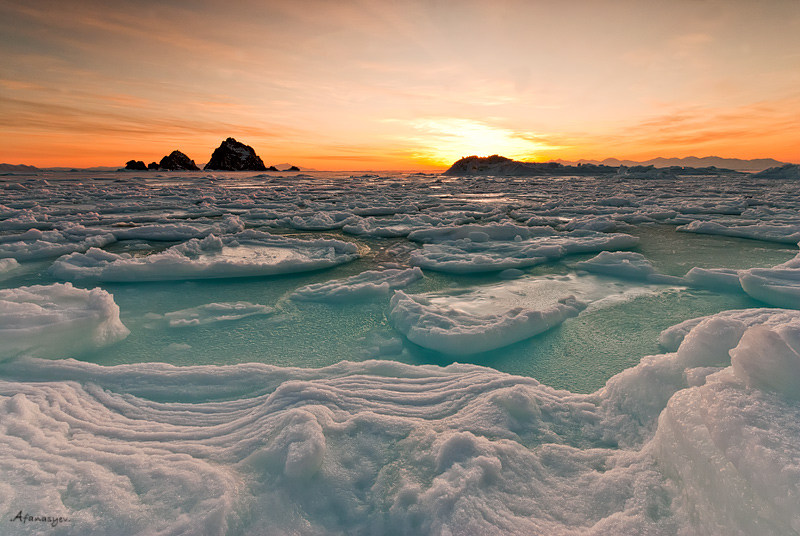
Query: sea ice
pixel 213 312
pixel 57 321
pixel 454 332
pixel 702 439
pixel 481 251
pixel 776 286
pixel 681 443
pixel 35 244
pixel 369 284
pixel 784 234
pixel 245 254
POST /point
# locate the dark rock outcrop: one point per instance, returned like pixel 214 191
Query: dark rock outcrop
pixel 152 165
pixel 293 168
pixel 177 161
pixel 135 165
pixel 232 155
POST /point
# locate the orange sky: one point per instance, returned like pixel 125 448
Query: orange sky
pixel 417 84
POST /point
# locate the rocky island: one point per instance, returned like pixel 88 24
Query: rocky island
pixel 232 155
pixel 500 166
pixel 176 160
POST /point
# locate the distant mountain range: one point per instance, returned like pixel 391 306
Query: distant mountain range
pixel 14 168
pixel 758 164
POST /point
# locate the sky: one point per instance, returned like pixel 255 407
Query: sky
pixel 388 84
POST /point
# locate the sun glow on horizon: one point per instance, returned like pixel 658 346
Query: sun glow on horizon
pixel 442 141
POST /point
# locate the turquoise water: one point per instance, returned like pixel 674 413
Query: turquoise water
pixel 580 355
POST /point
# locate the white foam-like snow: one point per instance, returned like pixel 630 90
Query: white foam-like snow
pixel 366 285
pixel 242 255
pixel 681 443
pixel 451 331
pixel 57 321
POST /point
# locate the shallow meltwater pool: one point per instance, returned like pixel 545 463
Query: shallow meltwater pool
pixel 184 353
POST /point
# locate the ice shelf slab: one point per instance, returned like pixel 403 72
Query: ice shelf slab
pixel 245 254
pixel 57 321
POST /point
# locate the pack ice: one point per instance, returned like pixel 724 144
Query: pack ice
pixel 484 305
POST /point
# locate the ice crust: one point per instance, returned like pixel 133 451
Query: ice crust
pixel 57 321
pixel 700 439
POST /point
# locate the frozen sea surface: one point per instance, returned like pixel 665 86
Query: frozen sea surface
pixel 193 353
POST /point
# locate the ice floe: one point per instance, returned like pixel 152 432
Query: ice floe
pixel 785 234
pixel 369 284
pixel 245 254
pixel 211 313
pixel 57 321
pixel 451 331
pixel 626 264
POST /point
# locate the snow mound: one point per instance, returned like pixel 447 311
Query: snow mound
pixel 454 332
pixel 366 285
pixel 245 254
pixel 57 321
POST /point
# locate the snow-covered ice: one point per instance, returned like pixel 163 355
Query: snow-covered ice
pixel 57 321
pixel 369 284
pixel 451 331
pixel 244 353
pixel 244 254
